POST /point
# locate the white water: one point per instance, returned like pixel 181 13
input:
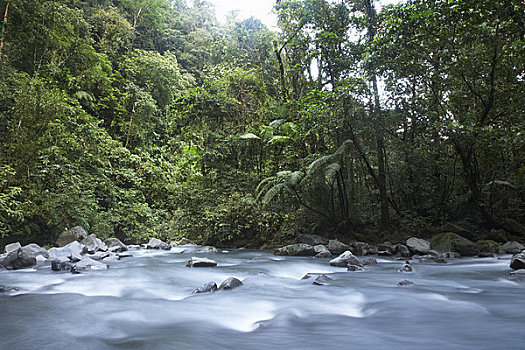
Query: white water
pixel 146 302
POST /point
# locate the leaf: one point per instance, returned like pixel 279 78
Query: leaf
pixel 250 136
pixel 279 139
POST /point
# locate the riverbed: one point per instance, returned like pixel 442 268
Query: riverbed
pixel 146 302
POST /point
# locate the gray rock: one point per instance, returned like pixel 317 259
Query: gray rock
pixel 230 283
pixel 94 244
pixel 418 245
pixel 115 245
pixel 88 264
pixel 77 233
pixel 12 247
pixel 336 248
pixel 404 283
pixel 386 247
pixel 346 258
pixel 121 256
pixel 7 289
pixel 518 261
pixel 406 268
pixel 61 265
pixel 401 250
pixel 429 259
pixel 206 288
pixel 299 249
pixel 511 248
pixel 322 251
pixel 207 249
pixel 156 243
pixel 101 255
pixel 72 251
pixel 201 262
pixel 453 242
pixel 384 253
pixel 311 239
pixel 362 248
pixel 485 255
pixel 33 250
pixel 322 280
pixel 311 275
pixel 355 268
pixel 15 261
pixel 369 261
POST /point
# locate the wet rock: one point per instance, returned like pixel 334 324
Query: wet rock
pixel 7 289
pixel 16 261
pixel 518 261
pixel 311 275
pixel 489 246
pixel 429 259
pixel 115 245
pixel 401 250
pixel 485 255
pixel 312 240
pixel 404 283
pixel 201 262
pixel 322 251
pixel 230 283
pixel 88 264
pixel 406 268
pixel 100 256
pixel 346 258
pixel 362 248
pixel 322 280
pixel 355 268
pixel 453 242
pixel 418 245
pixel 207 249
pixel 121 256
pixel 33 250
pixel 156 243
pixel 451 255
pixel 61 265
pixel 206 288
pixel 12 247
pixel 386 247
pixel 369 261
pixel 77 233
pixel 511 248
pixel 299 249
pixel 336 248
pixel 71 251
pixel 384 253
pixel 94 244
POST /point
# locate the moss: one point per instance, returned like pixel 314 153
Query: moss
pixel 450 241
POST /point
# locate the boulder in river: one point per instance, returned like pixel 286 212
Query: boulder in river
pixel 362 248
pixel 156 243
pixel 299 249
pixel 354 268
pixel 115 245
pixel 401 250
pixel 72 251
pixel 61 265
pixel 518 261
pixel 15 260
pixel 322 251
pixel 88 264
pixel 206 288
pixel 201 262
pixel 369 261
pixel 511 248
pixel 77 233
pixel 7 289
pixel 207 249
pixel 94 244
pixel 346 258
pixel 33 250
pixel 418 245
pixel 450 241
pixel 336 247
pixel 311 239
pixel 12 247
pixel 322 280
pixel 406 268
pixel 230 283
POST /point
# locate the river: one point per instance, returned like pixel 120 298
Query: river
pixel 146 302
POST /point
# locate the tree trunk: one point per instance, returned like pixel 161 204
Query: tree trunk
pixel 2 35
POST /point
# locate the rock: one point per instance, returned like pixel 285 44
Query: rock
pixel 511 248
pixel 311 239
pixel 299 249
pixel 369 261
pixel 71 251
pixel 94 244
pixel 346 258
pixel 15 261
pixel 88 264
pixel 384 253
pixel 518 261
pixel 429 259
pixel 61 265
pixel 77 233
pixel 404 283
pixel 513 226
pixel 121 256
pixel 322 280
pixel 206 288
pixel 485 255
pixel 101 255
pixel 156 243
pixel 310 275
pixel 356 268
pixel 230 283
pixel 201 262
pixel 406 268
pixel 453 242
pixel 488 246
pixel 336 248
pixel 401 250
pixel 386 247
pixel 12 247
pixel 201 250
pixel 33 250
pixel 115 245
pixel 362 248
pixel 418 245
pixel 518 273
pixel 322 251
pixel 7 289
pixel 182 241
pixel 451 255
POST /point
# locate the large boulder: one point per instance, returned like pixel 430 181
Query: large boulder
pixel 230 283
pixel 77 233
pixel 449 241
pixel 15 260
pixel 156 243
pixel 488 246
pixel 401 250
pixel 206 288
pixel 362 248
pixel 336 247
pixel 322 251
pixel 511 248
pixel 88 264
pixel 115 245
pixel 322 280
pixel 12 247
pixel 299 249
pixel 518 261
pixel 72 251
pixel 33 250
pixel 346 258
pixel 201 262
pixel 312 240
pixel 418 245
pixel 94 244
pixel 61 265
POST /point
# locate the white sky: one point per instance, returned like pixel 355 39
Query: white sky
pixel 261 9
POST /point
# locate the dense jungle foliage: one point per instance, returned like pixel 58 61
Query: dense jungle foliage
pixel 148 118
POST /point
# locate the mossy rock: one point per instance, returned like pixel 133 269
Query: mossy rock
pixel 488 245
pixel 450 227
pixel 450 241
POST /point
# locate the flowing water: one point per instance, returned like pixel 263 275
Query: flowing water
pixel 146 302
